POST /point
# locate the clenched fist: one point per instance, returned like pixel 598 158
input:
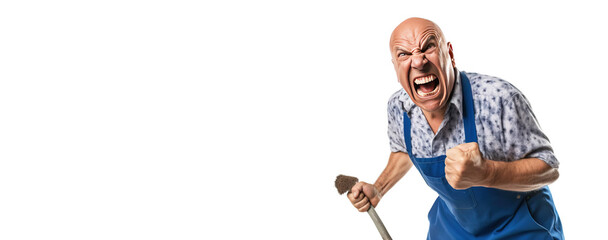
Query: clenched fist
pixel 363 194
pixel 465 167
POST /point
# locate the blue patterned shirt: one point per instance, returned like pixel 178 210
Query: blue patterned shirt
pixel 507 129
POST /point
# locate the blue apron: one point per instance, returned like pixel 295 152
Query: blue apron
pixel 479 212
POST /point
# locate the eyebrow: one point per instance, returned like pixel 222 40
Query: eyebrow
pixel 427 40
pixel 422 46
pixel 398 49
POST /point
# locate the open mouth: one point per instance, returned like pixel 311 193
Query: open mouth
pixel 426 86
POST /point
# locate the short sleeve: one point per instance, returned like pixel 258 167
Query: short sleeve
pixel 522 135
pixel 395 124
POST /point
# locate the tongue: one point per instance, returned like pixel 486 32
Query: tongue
pixel 428 87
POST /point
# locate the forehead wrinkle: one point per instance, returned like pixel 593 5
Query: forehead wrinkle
pixel 404 43
pixel 429 34
pixel 415 39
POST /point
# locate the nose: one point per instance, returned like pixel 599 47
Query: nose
pixel 419 60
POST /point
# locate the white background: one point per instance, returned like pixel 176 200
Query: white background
pixel 231 120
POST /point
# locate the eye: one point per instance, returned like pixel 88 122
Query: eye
pixel 403 54
pixel 429 46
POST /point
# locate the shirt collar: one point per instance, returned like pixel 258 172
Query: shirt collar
pixel 455 100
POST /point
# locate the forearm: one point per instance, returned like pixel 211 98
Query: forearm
pixel 522 175
pixel 399 164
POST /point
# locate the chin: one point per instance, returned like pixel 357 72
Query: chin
pixel 431 106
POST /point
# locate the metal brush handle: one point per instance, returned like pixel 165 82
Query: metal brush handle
pixel 372 213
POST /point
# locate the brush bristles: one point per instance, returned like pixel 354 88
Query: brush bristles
pixel 345 183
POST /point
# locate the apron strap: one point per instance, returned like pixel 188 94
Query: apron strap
pixel 468 112
pixel 407 133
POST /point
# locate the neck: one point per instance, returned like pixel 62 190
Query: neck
pixel 435 118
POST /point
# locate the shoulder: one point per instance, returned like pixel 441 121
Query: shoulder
pixel 397 98
pixel 489 86
pixel 395 104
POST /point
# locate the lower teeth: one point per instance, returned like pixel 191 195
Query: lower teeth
pixel 423 94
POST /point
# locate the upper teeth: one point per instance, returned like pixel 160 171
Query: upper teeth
pixel 423 80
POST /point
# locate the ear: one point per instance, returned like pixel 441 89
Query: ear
pixel 451 52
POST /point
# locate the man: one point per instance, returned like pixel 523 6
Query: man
pixel 473 138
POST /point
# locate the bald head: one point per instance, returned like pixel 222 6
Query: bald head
pixel 412 28
pixel 424 63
